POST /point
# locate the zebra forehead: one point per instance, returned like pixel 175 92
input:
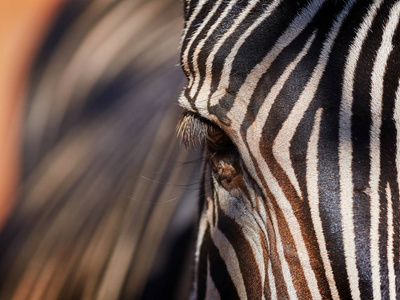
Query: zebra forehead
pixel 229 47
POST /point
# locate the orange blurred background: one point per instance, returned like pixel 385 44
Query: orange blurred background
pixel 23 25
pixel 97 198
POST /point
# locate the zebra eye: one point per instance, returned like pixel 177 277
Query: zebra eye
pixel 218 140
pixel 194 130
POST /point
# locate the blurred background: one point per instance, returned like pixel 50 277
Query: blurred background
pixel 98 200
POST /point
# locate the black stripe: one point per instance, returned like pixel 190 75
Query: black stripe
pixel 220 275
pixel 388 156
pixel 244 252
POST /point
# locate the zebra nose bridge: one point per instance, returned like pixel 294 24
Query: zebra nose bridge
pixel 184 100
pixel 193 101
pixel 196 98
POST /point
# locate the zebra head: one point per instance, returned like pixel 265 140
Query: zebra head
pixel 298 105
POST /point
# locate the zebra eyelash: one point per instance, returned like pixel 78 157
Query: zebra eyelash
pixel 193 130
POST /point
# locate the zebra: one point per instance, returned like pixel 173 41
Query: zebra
pixel 297 104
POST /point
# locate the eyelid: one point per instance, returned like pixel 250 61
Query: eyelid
pixel 192 129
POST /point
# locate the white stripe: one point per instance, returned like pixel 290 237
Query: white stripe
pixel 239 106
pixel 288 127
pixel 209 63
pixel 199 6
pixel 200 237
pixel 210 57
pixel 184 102
pixel 313 195
pixel 251 82
pixel 287 277
pixel 390 254
pixel 375 154
pixel 239 43
pixel 242 215
pixel 281 146
pixel 229 256
pixel 254 133
pixel 346 151
pixel 293 226
pixel 264 112
pixel 258 209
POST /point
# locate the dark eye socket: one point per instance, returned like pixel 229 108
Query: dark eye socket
pixel 218 140
pixel 194 130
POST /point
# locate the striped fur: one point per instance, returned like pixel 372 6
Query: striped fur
pixel 304 205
